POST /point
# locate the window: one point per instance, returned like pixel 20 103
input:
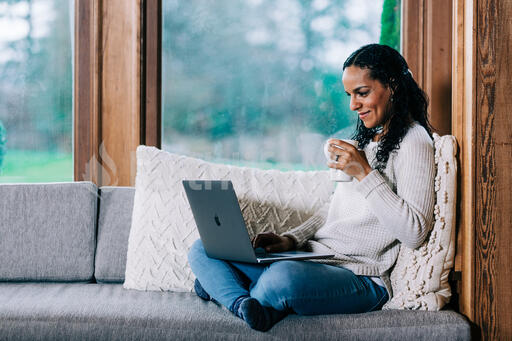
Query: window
pixel 258 82
pixel 36 90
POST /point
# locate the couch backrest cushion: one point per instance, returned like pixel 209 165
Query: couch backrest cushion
pixel 114 222
pixel 47 231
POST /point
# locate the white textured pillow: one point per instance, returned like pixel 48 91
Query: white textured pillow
pixel 420 276
pixel 163 228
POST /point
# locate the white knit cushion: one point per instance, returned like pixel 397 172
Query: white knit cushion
pixel 420 276
pixel 163 228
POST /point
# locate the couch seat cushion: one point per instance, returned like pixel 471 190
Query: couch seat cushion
pixel 56 311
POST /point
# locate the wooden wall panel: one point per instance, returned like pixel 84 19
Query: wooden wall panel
pixel 437 70
pixel 486 276
pixel 503 153
pixel 493 275
pixel 463 122
pixel 412 36
pixel 482 102
pixel 426 45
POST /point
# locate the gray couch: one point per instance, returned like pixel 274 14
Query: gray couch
pixel 62 261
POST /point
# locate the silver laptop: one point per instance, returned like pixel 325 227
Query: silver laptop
pixel 222 227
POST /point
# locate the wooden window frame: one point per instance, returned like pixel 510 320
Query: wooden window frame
pixel 427 47
pixel 110 110
pixel 87 91
pixel 151 118
pixel 463 123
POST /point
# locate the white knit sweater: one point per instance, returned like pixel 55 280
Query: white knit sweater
pixel 366 221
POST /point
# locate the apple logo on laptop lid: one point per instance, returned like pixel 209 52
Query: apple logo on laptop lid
pixel 217 220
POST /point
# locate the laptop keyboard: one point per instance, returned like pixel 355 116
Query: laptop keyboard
pixel 260 253
pixel 270 255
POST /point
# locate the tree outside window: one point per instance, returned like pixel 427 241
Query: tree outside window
pixel 36 90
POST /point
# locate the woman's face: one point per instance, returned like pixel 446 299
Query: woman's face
pixel 368 97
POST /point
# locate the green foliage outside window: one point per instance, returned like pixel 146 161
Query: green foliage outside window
pixel 36 91
pixel 234 88
pixel 390 31
pixel 329 115
pixel 259 80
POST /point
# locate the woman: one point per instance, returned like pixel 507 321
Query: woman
pixel 390 202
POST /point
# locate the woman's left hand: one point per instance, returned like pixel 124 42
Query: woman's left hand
pixel 349 159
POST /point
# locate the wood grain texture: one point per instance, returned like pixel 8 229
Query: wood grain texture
pixel 463 120
pixel 87 90
pixel 412 37
pixel 438 63
pixel 152 73
pixel 121 104
pixel 458 110
pixel 493 176
pixel 503 153
pixel 486 276
pixel 426 45
pixel 107 90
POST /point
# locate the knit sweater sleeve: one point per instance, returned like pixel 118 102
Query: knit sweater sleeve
pixel 302 233
pixel 408 214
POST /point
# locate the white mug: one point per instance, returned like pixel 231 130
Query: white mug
pixel 338 174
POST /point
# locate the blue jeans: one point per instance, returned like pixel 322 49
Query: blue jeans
pixel 303 287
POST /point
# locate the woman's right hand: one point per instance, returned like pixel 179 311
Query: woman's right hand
pixel 272 242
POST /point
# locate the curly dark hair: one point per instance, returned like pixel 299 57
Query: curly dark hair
pixel 408 103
